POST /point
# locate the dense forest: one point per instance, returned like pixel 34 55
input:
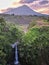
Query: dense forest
pixel 33 48
pixel 8 34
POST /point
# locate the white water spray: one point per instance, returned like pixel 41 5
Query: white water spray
pixel 16 53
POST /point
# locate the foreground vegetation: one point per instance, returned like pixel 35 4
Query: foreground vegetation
pixel 8 34
pixel 33 48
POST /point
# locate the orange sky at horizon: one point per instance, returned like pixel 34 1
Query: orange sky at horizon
pixel 5 4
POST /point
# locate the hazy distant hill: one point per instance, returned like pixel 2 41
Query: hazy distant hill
pixel 24 21
pixel 22 10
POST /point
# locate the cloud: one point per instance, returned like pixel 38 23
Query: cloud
pixel 27 1
pixel 43 10
pixel 43 2
pixel 41 6
pixel 37 5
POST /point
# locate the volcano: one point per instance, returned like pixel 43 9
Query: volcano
pixel 22 10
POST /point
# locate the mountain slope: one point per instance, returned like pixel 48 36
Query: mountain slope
pixel 22 10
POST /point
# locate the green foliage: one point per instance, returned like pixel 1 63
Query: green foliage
pixel 46 19
pixel 2 58
pixel 8 35
pixel 34 48
pixel 32 24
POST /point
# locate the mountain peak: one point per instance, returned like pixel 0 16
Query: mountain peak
pixel 22 10
pixel 24 6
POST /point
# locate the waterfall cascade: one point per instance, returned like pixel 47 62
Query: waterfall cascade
pixel 16 62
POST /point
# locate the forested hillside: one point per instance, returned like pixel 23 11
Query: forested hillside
pixel 9 34
pixel 34 44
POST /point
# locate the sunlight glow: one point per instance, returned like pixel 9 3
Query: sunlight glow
pixel 7 3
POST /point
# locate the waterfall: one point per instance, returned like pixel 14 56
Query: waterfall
pixel 16 56
pixel 16 53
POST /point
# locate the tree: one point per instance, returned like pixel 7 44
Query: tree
pixel 8 35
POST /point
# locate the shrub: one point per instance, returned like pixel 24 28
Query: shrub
pixel 46 19
pixel 34 48
pixel 32 24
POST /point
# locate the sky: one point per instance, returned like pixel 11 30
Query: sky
pixel 41 6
